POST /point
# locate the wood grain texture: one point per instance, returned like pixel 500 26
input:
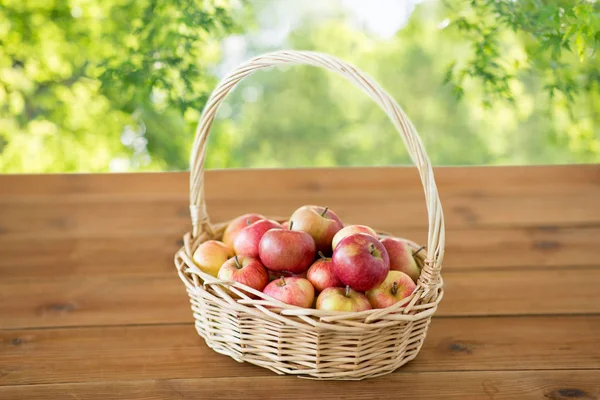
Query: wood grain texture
pixel 472 197
pixel 120 217
pixel 496 181
pixel 91 307
pixel 88 301
pixel 472 385
pixel 151 253
pixel 564 291
pixel 176 351
pixel 101 255
pixel 85 301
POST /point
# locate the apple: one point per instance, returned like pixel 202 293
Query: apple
pixel 247 240
pixel 286 250
pixel 294 291
pixel 342 299
pixel 361 261
pixel 237 225
pixel 319 222
pixel 210 255
pixel 350 230
pixel 321 274
pixel 401 257
pixel 245 270
pixel 396 286
pixel 285 224
pixel 278 274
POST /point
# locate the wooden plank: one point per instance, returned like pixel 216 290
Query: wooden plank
pixel 476 385
pixel 85 301
pixel 17 187
pixel 143 253
pixel 176 351
pixel 472 180
pixel 541 247
pixel 88 301
pixel 112 353
pixel 383 197
pixel 573 291
pixel 130 215
pixel 78 219
pixel 109 255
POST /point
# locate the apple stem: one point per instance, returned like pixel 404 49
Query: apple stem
pixel 418 250
pixel 291 225
pixel 347 290
pixel 372 249
pixel 237 262
pixel 394 288
pixel 324 211
pixel 320 253
pixel 282 281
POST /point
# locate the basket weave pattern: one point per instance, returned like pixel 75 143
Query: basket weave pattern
pixel 249 326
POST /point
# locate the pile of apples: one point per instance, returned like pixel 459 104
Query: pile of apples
pixel 312 260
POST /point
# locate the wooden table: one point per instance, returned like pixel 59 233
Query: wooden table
pixel 91 306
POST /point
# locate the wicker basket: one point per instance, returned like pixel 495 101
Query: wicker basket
pixel 286 339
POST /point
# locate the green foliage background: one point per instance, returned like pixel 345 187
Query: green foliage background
pixel 101 85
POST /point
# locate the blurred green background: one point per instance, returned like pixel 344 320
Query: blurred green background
pixel 118 85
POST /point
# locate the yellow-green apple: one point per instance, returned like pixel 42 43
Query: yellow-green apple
pixel 286 250
pixel 237 225
pixel 342 299
pixel 361 261
pixel 321 274
pixel 210 255
pixel 351 230
pixel 294 291
pixel 319 222
pixel 246 270
pixel 401 257
pixel 247 240
pixel 396 286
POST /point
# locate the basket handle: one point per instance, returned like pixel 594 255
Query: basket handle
pixel 430 275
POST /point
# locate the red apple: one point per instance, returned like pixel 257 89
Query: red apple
pixel 294 291
pixel 342 299
pixel 245 270
pixel 278 274
pixel 210 255
pixel 319 222
pixel 351 230
pixel 361 261
pixel 321 274
pixel 247 240
pixel 285 250
pixel 285 224
pixel 401 257
pixel 237 225
pixel 396 286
